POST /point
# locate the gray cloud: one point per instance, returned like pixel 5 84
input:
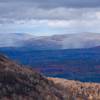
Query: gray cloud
pixel 14 10
pixel 52 14
pixel 57 3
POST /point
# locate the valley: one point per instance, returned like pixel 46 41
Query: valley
pixel 74 64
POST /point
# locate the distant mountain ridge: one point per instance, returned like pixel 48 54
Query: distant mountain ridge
pixel 64 41
pixel 13 39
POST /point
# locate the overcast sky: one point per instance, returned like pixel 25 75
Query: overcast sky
pixel 47 17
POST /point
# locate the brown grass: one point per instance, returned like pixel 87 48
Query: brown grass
pixel 75 90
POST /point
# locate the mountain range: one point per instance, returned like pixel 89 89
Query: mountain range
pixel 65 41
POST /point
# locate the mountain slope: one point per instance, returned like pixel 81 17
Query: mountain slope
pixel 18 82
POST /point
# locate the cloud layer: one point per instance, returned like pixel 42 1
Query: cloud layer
pixel 54 3
pixel 49 15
